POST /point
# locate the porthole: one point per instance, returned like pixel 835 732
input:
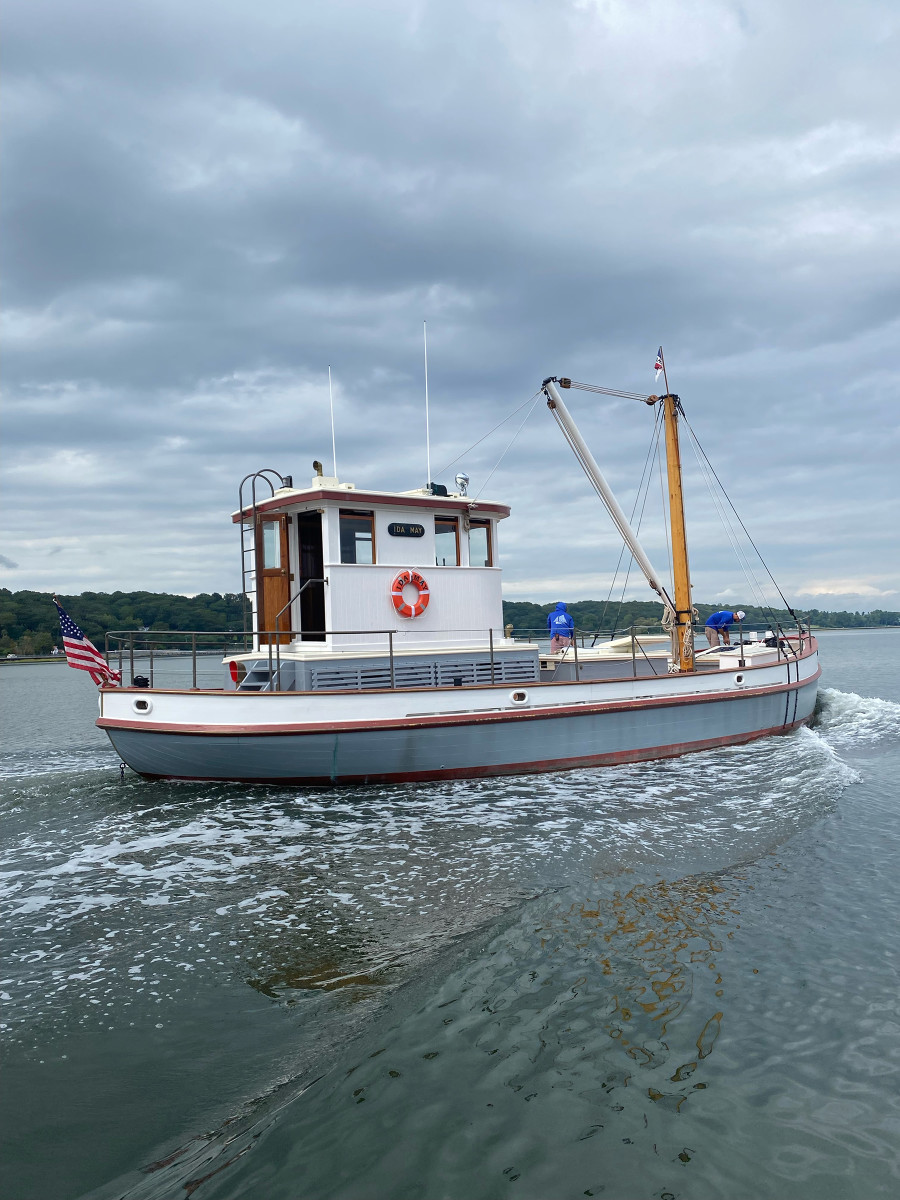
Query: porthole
pixel 739 679
pixel 142 705
pixel 519 697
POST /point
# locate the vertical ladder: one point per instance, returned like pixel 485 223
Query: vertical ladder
pixel 248 499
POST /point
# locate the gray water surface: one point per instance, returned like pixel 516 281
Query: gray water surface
pixel 666 979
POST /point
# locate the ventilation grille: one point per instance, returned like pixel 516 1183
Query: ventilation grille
pixel 423 675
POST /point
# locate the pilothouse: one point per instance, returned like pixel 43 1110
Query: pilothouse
pixel 362 589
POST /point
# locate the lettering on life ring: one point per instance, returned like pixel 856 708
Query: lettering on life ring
pixel 414 579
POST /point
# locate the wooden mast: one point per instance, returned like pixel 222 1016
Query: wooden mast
pixel 683 635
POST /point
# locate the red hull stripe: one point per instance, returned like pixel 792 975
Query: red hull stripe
pixel 551 764
pixel 443 719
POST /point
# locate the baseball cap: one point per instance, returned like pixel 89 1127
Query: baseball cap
pixel 740 615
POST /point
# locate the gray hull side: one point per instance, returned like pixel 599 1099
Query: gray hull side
pixel 469 749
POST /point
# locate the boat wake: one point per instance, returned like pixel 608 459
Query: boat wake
pixel 847 721
pixel 25 764
pixel 279 876
pixel 656 843
pixel 124 896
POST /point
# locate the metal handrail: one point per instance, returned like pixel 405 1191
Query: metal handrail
pixel 291 600
pixel 296 596
pixel 128 642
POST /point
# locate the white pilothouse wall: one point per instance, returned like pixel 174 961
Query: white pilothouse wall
pixel 464 603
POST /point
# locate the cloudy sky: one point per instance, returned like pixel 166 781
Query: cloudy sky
pixel 207 204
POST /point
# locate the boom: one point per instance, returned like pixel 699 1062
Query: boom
pixel 595 475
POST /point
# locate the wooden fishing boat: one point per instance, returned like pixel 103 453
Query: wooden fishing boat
pixel 376 652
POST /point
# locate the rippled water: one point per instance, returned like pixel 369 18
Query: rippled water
pixel 674 978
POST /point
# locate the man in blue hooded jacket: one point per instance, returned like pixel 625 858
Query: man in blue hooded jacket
pixel 561 627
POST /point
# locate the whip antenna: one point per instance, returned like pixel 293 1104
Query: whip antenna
pixel 331 406
pixel 427 432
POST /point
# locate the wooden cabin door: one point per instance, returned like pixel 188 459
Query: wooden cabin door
pixel 273 579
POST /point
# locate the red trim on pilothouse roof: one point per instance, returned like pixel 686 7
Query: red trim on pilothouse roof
pixel 353 499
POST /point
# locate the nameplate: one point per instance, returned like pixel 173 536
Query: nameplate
pixel 402 529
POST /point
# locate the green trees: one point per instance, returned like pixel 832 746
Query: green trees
pixel 29 623
pixel 592 615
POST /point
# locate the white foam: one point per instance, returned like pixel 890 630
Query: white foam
pixel 845 719
pixel 389 867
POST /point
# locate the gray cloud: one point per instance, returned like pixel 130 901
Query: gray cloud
pixel 208 205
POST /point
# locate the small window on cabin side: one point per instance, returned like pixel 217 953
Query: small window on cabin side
pixel 446 541
pixel 357 536
pixel 271 540
pixel 480 544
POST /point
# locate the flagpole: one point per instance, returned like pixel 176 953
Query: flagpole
pixel 665 376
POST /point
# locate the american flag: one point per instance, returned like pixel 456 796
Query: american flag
pixel 658 365
pixel 82 654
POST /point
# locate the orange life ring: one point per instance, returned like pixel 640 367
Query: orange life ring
pixel 418 582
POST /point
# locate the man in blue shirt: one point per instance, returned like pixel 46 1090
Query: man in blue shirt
pixel 720 621
pixel 561 627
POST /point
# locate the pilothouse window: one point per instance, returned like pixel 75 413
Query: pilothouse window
pixel 357 536
pixel 446 541
pixel 480 544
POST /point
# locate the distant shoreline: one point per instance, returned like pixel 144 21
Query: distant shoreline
pixel 32 658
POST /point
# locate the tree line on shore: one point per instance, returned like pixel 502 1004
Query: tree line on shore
pixel 29 623
pixel 609 616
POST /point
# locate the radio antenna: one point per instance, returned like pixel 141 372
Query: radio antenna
pixel 331 406
pixel 427 431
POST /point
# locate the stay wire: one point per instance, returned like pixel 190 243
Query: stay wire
pixel 740 522
pixel 508 417
pixel 662 497
pixel 663 594
pixel 637 530
pixel 604 391
pixel 642 491
pixel 646 473
pixel 750 576
pixel 753 584
pixel 535 399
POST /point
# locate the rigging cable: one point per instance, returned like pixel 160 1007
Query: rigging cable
pixel 642 489
pixel 535 398
pixel 740 522
pixel 604 391
pixel 753 582
pixel 583 463
pixel 453 461
pixel 662 496
pixel 750 577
